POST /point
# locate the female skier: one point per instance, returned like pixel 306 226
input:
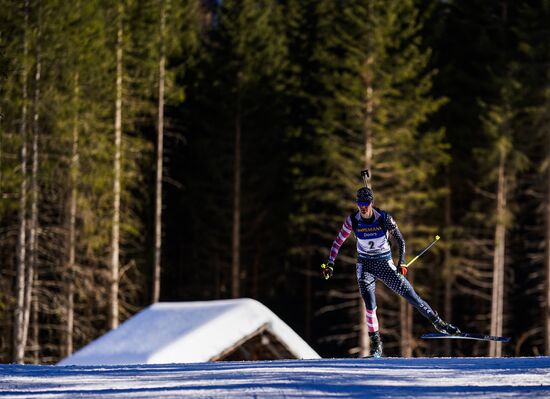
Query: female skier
pixel 372 228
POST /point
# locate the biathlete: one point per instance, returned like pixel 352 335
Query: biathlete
pixel 372 228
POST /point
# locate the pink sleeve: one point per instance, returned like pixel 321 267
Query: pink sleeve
pixel 342 235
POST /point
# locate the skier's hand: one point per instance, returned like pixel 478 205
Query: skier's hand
pixel 327 269
pixel 402 269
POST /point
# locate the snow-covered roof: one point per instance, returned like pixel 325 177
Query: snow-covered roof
pixel 187 332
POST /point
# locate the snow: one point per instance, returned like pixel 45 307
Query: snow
pixel 186 332
pixel 486 378
pixel 166 332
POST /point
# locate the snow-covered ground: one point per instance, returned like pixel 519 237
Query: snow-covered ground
pixel 319 378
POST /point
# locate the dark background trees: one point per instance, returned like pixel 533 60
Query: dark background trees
pixel 268 110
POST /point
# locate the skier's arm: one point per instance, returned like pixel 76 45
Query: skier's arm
pixel 328 269
pixel 340 238
pixel 393 229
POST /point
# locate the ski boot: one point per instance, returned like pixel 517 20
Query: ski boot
pixel 375 344
pixel 444 327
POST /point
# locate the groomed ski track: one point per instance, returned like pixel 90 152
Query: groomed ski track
pixel 324 378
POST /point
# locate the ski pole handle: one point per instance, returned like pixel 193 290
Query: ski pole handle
pixel 327 269
pixel 423 251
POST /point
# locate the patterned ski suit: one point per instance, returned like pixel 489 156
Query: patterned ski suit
pixel 374 261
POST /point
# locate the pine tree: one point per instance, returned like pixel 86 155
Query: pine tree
pixel 133 68
pixel 480 110
pixel 533 123
pixel 19 337
pixel 315 196
pixel 500 159
pixel 378 96
pixel 241 67
pixel 175 21
pixel 160 154
pixel 506 162
pixel 73 85
pixel 301 30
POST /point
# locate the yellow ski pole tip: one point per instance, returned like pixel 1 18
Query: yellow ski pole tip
pixel 437 237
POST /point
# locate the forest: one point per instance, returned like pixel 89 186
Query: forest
pixel 182 150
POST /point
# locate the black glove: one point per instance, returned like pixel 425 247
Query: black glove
pixel 327 269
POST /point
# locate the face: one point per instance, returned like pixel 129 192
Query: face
pixel 365 208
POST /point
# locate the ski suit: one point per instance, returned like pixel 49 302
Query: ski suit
pixel 374 261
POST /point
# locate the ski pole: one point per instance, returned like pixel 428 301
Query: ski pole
pixel 365 174
pixel 423 251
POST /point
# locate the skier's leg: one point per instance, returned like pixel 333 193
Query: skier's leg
pixel 367 287
pixel 386 271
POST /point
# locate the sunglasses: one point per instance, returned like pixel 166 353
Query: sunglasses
pixel 363 203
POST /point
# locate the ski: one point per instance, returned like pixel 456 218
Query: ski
pixel 480 337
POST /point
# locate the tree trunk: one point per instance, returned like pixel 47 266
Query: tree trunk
pixel 19 343
pixel 308 295
pixel 364 342
pixel 547 250
pixel 256 267
pixel 33 227
pixel 404 334
pixel 35 336
pixel 115 239
pixel 72 227
pixel 405 316
pixel 236 246
pixel 369 109
pixel 448 276
pixel 495 348
pixel 160 154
